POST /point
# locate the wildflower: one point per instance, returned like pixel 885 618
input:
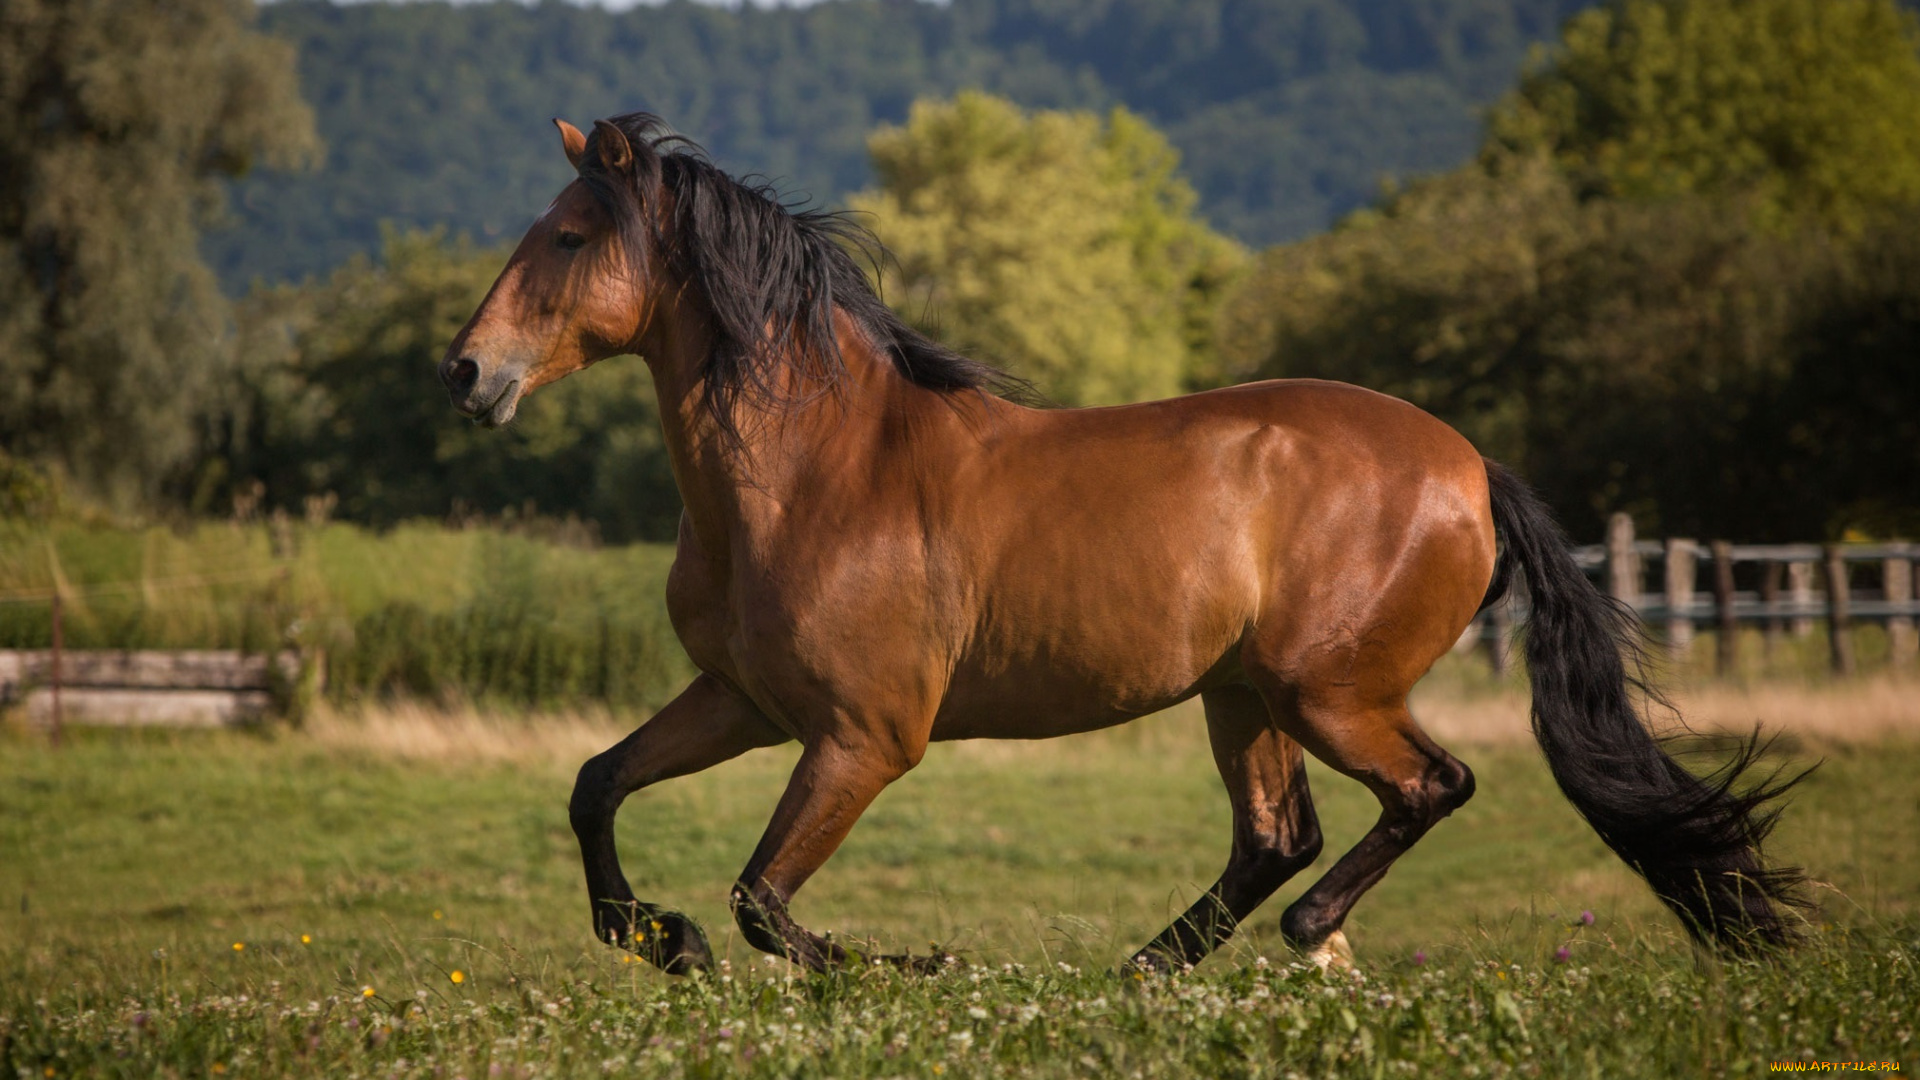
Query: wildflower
pixel 306 939
pixel 239 946
pixel 457 977
pixel 1419 958
pixel 366 991
pixel 1586 918
pixel 437 916
pixel 725 1033
pixel 218 1068
pixel 1561 954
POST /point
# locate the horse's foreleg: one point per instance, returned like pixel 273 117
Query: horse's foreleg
pixel 1275 831
pixel 706 725
pixel 830 788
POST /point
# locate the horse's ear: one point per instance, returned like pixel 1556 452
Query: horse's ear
pixel 574 142
pixel 615 152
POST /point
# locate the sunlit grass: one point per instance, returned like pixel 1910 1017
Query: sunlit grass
pixel 407 901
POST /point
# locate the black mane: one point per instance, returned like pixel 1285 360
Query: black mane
pixel 771 275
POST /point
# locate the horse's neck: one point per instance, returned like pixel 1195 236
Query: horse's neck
pixel 734 488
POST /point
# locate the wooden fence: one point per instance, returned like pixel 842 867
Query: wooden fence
pixel 140 687
pixel 1793 587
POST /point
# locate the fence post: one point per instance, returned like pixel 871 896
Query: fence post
pixel 1680 574
pixel 1800 595
pixel 1896 575
pixel 58 734
pixel 1770 573
pixel 1838 603
pixel 1727 651
pixel 1500 635
pixel 1623 564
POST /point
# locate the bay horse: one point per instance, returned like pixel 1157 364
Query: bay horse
pixel 878 552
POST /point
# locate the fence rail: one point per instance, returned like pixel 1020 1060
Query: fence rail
pixel 1794 585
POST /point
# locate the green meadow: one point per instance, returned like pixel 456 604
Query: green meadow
pixel 397 894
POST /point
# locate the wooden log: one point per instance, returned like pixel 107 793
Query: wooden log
pixel 1727 645
pixel 201 669
pixel 1625 580
pixel 152 708
pixel 1839 635
pixel 1680 579
pixel 1896 577
pixel 1800 595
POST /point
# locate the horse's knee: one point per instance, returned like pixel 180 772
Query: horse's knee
pixel 595 796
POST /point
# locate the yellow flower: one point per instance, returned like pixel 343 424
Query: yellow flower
pixel 218 1068
pixel 458 977
pixel 437 914
pixel 306 939
pixel 239 946
pixel 366 991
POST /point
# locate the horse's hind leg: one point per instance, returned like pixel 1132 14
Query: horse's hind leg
pixel 706 725
pixel 1416 782
pixel 1275 832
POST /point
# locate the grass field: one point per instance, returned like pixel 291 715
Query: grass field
pixel 399 896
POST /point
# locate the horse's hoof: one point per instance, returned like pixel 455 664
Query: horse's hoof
pixel 673 943
pixel 1332 954
pixel 931 964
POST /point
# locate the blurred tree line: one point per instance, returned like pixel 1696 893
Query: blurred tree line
pixel 1680 277
pixel 1285 112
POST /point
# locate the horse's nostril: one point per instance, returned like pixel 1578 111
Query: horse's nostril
pixel 461 374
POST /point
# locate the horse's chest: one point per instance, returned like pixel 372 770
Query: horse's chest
pixel 697 605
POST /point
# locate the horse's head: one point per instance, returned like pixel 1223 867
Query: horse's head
pixel 572 294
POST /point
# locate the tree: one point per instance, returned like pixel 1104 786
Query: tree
pixel 340 397
pixel 119 119
pixel 1808 106
pixel 1058 244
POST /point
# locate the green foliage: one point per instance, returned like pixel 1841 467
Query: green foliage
pixel 1663 359
pixel 1059 245
pixel 1806 104
pixel 1286 112
pixel 340 398
pixel 119 122
pixel 487 614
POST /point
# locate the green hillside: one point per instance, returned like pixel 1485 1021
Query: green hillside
pixel 1287 112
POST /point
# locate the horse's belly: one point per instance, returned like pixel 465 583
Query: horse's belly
pixel 1045 678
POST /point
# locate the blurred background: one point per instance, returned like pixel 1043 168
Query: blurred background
pixel 1658 255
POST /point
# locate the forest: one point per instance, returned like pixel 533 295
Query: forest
pixel 1286 113
pixel 1668 265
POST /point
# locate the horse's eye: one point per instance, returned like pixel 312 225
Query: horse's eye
pixel 571 241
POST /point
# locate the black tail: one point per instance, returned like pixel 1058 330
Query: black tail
pixel 1695 839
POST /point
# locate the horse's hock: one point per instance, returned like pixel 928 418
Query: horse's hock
pixel 152 688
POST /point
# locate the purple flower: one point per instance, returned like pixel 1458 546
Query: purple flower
pixel 1586 918
pixel 1561 954
pixel 726 1033
pixel 1419 958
